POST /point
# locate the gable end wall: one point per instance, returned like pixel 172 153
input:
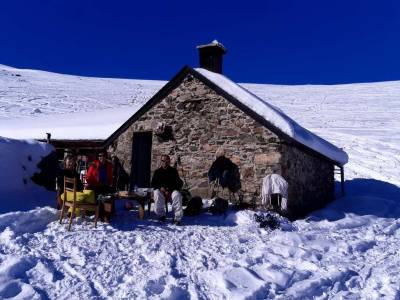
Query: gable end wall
pixel 203 121
pixel 311 180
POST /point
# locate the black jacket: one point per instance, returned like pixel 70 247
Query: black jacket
pixel 167 178
pixel 70 174
pixel 226 172
pixel 218 167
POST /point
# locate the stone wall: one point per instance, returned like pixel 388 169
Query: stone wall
pixel 202 121
pixel 311 180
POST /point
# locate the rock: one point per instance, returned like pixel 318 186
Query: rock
pixel 267 159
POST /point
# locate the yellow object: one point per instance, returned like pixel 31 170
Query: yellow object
pixel 86 196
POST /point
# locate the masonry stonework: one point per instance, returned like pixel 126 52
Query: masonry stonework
pixel 311 180
pixel 202 121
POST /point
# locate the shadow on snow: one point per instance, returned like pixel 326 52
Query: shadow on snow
pixel 128 220
pixel 364 197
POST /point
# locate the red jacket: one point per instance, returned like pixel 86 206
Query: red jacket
pixel 92 177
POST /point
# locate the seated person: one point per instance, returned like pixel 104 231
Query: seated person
pixel 167 183
pixel 69 171
pixel 100 175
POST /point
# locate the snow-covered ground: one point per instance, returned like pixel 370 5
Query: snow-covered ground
pixel 348 250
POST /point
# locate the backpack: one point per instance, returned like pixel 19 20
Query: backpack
pixel 194 206
pixel 186 196
pixel 219 206
pixel 234 183
pixel 267 221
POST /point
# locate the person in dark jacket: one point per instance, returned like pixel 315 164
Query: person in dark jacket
pixel 166 184
pixel 221 169
pixel 68 170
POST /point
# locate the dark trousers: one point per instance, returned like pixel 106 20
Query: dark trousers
pixel 225 179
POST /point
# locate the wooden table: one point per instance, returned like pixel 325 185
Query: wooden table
pixel 132 196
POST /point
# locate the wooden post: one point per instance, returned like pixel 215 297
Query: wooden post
pixel 141 209
pixel 342 181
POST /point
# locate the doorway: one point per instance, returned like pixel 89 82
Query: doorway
pixel 141 159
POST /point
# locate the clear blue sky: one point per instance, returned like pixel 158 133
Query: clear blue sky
pixel 280 41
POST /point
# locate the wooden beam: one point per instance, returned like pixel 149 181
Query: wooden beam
pixel 342 181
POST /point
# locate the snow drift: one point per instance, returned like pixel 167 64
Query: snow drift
pixel 18 163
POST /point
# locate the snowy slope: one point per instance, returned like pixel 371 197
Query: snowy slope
pixel 59 104
pixel 348 250
pixel 363 119
pixel 34 93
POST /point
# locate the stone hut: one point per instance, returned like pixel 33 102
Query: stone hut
pixel 200 110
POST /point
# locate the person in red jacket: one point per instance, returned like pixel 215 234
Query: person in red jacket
pixel 100 175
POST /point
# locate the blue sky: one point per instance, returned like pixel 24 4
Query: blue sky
pixel 287 42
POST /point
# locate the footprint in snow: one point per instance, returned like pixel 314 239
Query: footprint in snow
pixel 14 288
pixel 179 293
pixel 155 287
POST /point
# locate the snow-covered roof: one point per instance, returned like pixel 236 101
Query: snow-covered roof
pixel 276 117
pixel 94 125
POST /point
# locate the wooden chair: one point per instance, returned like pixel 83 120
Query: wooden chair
pixel 70 187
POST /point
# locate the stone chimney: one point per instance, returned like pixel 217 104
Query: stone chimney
pixel 211 56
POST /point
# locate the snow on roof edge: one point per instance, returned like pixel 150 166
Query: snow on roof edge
pixel 276 117
pixel 93 125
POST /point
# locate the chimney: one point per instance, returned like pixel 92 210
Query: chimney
pixel 211 56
